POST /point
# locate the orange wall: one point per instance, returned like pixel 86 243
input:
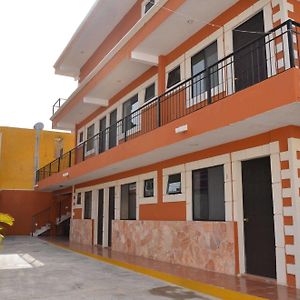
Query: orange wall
pixel 77 213
pixel 22 205
pixel 295 15
pixel 177 210
pixel 163 211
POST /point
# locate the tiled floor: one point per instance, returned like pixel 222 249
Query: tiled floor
pixel 245 284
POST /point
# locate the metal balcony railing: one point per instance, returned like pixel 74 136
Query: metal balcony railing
pixel 57 105
pixel 271 54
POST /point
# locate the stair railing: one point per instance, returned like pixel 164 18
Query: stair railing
pixel 40 219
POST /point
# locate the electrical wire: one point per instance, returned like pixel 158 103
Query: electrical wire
pixel 193 19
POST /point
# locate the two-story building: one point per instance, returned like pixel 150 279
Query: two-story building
pixel 187 119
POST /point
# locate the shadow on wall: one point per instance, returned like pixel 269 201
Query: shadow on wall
pixel 22 205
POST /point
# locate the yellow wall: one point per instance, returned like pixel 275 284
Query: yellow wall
pixel 17 154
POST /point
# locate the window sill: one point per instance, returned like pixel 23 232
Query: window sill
pixel 174 197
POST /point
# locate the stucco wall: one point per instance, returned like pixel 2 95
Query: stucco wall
pixel 22 205
pixel 17 146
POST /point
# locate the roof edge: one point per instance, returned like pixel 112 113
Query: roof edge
pixel 56 65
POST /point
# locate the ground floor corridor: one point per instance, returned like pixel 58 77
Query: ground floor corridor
pixel 31 268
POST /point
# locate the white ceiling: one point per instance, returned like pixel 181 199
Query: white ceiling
pixel 102 18
pixel 126 72
pixel 276 118
pixel 119 78
pixel 188 19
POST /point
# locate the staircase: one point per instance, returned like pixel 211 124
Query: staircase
pixel 63 218
pixel 41 230
pixel 43 221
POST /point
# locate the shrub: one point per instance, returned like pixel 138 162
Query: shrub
pixel 5 219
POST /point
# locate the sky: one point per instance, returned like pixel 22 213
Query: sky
pixel 33 33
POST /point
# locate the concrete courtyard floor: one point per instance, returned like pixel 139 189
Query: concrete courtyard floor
pixel 31 268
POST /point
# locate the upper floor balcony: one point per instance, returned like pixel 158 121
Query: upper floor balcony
pixel 102 48
pixel 247 87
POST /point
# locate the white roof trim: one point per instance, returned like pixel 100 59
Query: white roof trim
pixel 113 51
pixel 74 37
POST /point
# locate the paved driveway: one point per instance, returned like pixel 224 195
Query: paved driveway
pixel 33 269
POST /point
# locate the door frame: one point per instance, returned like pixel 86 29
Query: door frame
pixel 263 5
pixel 272 150
pixel 103 216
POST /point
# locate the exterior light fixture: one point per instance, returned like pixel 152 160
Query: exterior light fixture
pixel 181 129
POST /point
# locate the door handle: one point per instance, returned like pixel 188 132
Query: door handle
pixel 246 220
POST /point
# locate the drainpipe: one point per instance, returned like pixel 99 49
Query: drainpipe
pixel 38 128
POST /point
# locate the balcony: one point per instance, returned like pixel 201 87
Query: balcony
pixel 57 105
pixel 102 77
pixel 272 54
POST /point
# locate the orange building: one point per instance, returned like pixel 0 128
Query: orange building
pixel 187 119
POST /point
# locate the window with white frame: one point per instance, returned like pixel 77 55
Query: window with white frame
pixel 78 199
pixel 88 205
pixel 149 92
pixel 148 188
pixel 80 137
pixel 144 93
pixel 128 201
pixel 174 184
pixel 174 76
pixel 102 135
pixel 129 107
pixel 147 5
pixel 208 194
pixel 199 63
pixel 89 134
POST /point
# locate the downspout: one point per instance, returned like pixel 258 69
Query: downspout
pixel 38 128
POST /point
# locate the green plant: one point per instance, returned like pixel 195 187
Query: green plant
pixel 5 219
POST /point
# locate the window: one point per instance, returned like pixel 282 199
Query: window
pixel 80 137
pixel 173 77
pixel 129 107
pixel 102 135
pixel 78 201
pixel 88 205
pixel 111 212
pixel 90 140
pixel 201 61
pixel 128 201
pixel 112 142
pixel 148 188
pixel 150 92
pixel 208 194
pixel 174 184
pixel 147 5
